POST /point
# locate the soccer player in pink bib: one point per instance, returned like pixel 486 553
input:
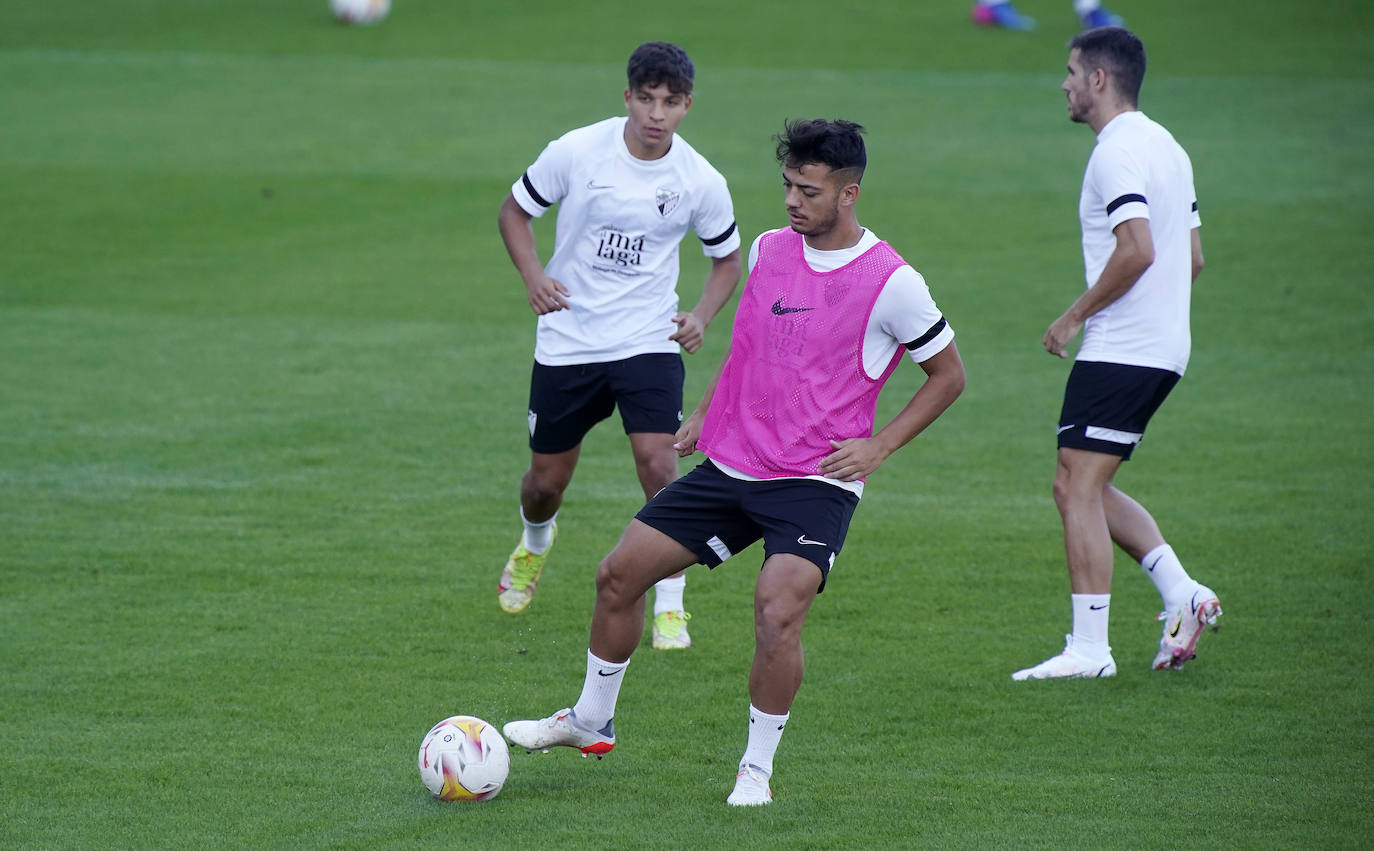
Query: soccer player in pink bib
pixel 787 428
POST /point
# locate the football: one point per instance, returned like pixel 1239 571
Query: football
pixel 359 11
pixel 464 759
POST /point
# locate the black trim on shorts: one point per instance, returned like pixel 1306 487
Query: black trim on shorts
pixel 1125 199
pixel 529 187
pixel 1194 206
pixel 927 336
pixel 719 239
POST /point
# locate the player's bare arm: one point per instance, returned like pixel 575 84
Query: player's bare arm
pixel 858 457
pixel 545 294
pixel 685 441
pixel 720 285
pixel 1134 253
pixel 1195 237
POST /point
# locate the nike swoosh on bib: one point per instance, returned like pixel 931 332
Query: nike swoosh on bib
pixel 779 310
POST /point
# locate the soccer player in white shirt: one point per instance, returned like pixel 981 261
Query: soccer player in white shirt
pixel 609 331
pixel 1142 251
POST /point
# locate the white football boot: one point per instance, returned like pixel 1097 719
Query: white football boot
pixel 1182 627
pixel 561 730
pixel 1070 663
pixel 751 788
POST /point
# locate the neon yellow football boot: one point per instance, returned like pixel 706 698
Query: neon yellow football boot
pixel 518 580
pixel 670 631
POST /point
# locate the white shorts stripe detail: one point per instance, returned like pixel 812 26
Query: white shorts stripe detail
pixel 719 546
pixel 1112 435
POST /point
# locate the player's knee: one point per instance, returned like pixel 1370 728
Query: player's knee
pixel 541 487
pixel 613 581
pixel 1062 488
pixel 1075 492
pixel 776 622
pixel 606 579
pixel 657 473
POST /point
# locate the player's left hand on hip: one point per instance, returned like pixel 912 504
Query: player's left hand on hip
pixel 853 459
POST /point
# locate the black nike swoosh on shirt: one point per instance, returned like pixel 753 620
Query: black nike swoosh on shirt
pixel 779 310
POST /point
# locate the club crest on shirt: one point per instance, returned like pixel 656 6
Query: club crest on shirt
pixel 666 200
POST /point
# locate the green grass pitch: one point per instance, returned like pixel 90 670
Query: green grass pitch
pixel 263 365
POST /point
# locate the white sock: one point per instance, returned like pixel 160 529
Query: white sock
pixel 538 537
pixel 668 594
pixel 1166 572
pixel 1090 623
pixel 600 690
pixel 765 731
pixel 1083 7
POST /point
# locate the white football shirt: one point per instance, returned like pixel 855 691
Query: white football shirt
pixel 620 221
pixel 1138 171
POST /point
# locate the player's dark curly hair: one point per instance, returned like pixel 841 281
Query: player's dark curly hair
pixel 1119 52
pixel 837 144
pixel 659 63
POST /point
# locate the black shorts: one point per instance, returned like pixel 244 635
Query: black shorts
pixel 566 401
pixel 1108 405
pixel 715 516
